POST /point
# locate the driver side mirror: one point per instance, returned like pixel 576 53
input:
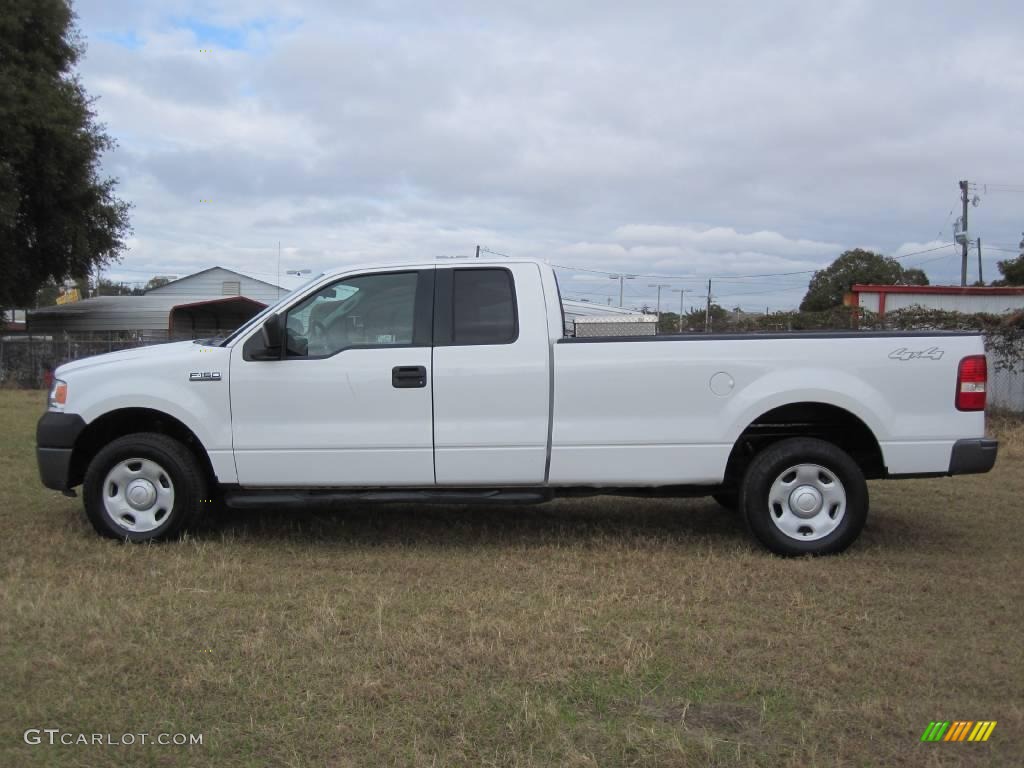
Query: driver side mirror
pixel 270 332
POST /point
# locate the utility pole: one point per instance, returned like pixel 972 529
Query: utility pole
pixel 621 279
pixel 964 186
pixel 659 286
pixel 682 293
pixel 981 277
pixel 707 311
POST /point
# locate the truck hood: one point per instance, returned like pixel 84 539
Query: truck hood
pixel 180 350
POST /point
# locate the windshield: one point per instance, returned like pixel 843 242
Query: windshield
pixel 267 310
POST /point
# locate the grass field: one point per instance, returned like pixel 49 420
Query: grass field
pixel 602 632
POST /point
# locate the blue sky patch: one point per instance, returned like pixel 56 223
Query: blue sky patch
pixel 126 39
pixel 235 38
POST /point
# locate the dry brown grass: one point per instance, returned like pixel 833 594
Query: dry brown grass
pixel 581 633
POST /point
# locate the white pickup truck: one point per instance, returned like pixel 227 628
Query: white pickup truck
pixel 456 383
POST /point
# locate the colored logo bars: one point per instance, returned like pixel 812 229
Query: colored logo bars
pixel 958 730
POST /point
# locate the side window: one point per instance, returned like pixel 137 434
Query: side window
pixel 484 307
pixel 368 310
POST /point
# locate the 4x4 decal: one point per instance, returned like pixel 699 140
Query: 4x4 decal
pixel 932 353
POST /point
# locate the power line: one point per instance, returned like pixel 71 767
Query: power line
pixel 943 227
pixel 735 277
pixel 1000 184
pixel 484 249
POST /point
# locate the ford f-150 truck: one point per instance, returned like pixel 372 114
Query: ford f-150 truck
pixel 456 383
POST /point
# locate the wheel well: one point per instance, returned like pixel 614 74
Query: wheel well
pixel 825 422
pixel 126 421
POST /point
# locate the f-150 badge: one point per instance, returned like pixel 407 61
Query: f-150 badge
pixel 204 376
pixel 932 353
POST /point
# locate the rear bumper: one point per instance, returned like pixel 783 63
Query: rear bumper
pixel 55 439
pixel 973 456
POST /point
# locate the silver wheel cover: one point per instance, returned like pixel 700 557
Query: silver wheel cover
pixel 138 495
pixel 807 502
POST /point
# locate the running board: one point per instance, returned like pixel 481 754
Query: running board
pixel 254 499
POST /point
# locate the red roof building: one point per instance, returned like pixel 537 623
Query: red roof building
pixel 950 298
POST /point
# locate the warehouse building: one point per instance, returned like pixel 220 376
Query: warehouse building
pixel 208 303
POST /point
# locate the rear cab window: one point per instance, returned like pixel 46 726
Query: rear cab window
pixel 483 307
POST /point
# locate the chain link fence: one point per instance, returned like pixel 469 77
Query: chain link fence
pixel 25 361
pixel 1006 387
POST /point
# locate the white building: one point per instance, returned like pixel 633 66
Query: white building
pixel 950 298
pixel 209 303
pixel 220 282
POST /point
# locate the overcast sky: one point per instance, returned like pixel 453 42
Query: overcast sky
pixel 689 140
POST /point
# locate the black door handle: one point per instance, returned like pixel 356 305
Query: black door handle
pixel 408 376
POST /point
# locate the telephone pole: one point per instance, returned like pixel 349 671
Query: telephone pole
pixel 707 311
pixel 659 286
pixel 981 278
pixel 621 278
pixel 682 293
pixel 964 186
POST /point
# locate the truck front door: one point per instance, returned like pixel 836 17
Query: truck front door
pixel 349 401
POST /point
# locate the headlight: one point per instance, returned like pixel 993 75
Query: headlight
pixel 58 394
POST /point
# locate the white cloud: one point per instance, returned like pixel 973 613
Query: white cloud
pixel 727 139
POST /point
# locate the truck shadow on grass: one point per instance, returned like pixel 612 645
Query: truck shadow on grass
pixel 554 523
pixel 892 529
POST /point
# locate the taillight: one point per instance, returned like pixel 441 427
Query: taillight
pixel 971 378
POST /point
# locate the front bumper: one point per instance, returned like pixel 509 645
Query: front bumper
pixel 56 434
pixel 973 456
pixel 54 467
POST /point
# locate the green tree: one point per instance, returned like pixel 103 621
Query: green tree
pixel 109 288
pixel 1012 271
pixel 156 282
pixel 48 292
pixel 828 285
pixel 58 217
pixel 694 320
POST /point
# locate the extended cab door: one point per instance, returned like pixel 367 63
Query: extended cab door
pixel 491 376
pixel 349 401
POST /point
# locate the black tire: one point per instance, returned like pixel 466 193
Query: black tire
pixel 770 464
pixel 183 472
pixel 729 500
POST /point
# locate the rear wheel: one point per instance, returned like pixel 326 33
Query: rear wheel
pixel 804 496
pixel 143 487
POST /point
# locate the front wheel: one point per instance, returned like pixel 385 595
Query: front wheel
pixel 143 487
pixel 804 496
